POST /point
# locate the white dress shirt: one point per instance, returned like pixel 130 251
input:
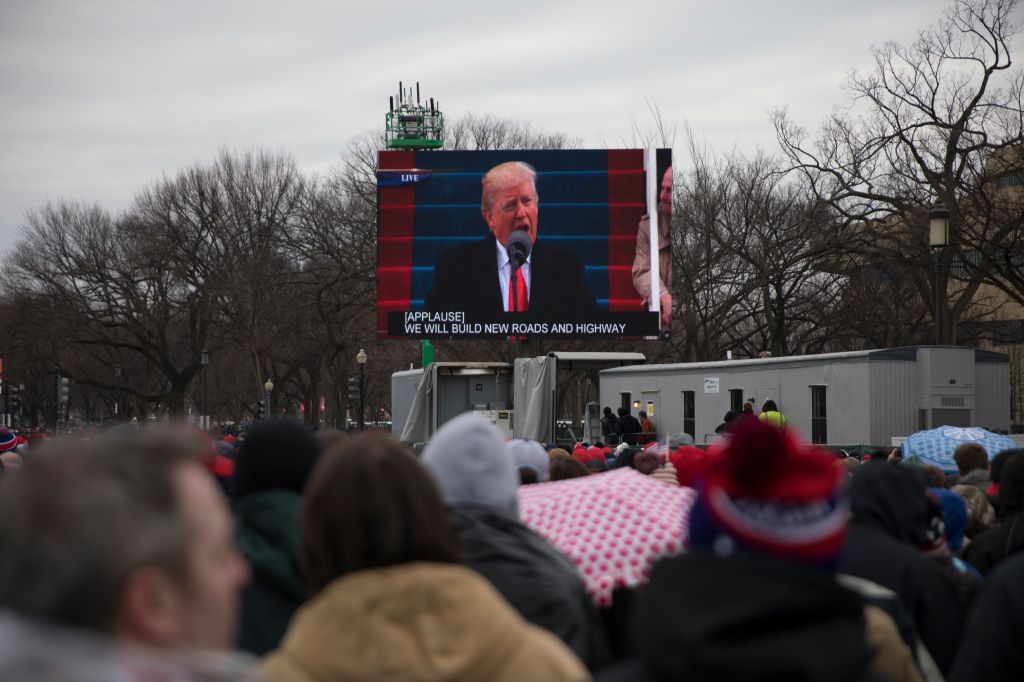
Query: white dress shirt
pixel 505 274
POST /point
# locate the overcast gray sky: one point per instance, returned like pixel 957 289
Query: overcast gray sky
pixel 100 97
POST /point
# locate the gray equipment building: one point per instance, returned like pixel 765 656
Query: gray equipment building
pixel 862 397
pixel 519 398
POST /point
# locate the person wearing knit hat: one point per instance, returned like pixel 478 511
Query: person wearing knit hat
pixel 648 462
pixel 9 457
pixel 478 481
pixel 767 492
pixel 689 461
pixel 954 516
pixel 270 472
pixel 944 504
pixel 679 440
pixel 529 454
pixel 8 441
pixel 755 597
pixel 468 461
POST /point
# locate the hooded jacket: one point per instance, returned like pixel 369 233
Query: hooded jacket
pixel 889 524
pixel 746 617
pixel 609 425
pixel 629 429
pixel 534 577
pixel 268 536
pixel 272 467
pixel 994 545
pixel 415 623
pixel 479 483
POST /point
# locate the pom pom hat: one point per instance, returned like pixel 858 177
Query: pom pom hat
pixel 8 441
pixel 764 491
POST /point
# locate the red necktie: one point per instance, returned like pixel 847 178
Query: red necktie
pixel 519 282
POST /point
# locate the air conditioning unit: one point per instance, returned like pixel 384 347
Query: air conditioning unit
pixel 500 418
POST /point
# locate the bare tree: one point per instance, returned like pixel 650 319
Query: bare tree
pixel 929 122
pixel 492 132
pixel 755 260
pixel 110 299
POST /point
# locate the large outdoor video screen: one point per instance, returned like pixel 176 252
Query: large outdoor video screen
pixel 530 243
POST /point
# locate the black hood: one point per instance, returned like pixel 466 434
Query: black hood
pixel 892 499
pixel 1011 486
pixel 749 617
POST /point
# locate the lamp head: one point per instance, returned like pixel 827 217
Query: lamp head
pixel 938 223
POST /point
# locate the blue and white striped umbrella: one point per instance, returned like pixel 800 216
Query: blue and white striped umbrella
pixel 936 446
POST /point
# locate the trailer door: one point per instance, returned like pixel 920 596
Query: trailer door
pixel 650 402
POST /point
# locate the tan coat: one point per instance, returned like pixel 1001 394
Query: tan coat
pixel 416 622
pixel 893 659
pixel 642 260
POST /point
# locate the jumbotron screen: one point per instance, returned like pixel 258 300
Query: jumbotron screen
pixel 529 243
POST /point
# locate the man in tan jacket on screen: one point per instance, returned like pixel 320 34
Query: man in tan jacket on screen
pixel 642 261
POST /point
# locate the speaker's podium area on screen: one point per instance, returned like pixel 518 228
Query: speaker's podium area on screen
pixel 506 244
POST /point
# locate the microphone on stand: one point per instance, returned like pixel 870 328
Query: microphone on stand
pixel 518 248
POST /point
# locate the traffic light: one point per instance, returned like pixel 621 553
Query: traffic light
pixel 65 388
pixel 353 390
pixel 13 397
pixel 261 409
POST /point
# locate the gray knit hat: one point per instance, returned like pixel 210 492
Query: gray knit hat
pixel 468 460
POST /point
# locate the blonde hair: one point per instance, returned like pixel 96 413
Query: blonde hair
pixel 506 175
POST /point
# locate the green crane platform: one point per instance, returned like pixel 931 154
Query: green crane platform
pixel 413 125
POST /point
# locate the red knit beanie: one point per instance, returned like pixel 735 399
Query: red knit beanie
pixel 8 441
pixel 767 492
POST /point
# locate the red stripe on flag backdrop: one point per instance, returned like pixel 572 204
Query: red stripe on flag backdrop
pixel 625 183
pixel 396 224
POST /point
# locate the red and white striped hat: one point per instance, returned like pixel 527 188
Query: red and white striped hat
pixel 8 441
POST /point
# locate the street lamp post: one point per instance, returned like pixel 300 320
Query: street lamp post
pixel 117 397
pixel 938 238
pixel 361 360
pixel 269 388
pixel 204 360
pixel 56 396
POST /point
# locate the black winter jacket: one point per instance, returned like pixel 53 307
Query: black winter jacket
pixel 890 523
pixel 534 577
pixel 268 534
pixel 746 617
pixel 993 648
pixel 996 544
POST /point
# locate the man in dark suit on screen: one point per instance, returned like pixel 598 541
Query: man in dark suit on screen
pixel 477 278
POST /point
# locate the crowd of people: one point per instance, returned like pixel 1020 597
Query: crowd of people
pixel 284 553
pixel 623 427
